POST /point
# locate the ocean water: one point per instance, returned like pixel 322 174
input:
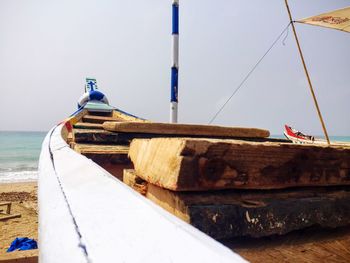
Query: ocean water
pixel 19 155
pixel 340 138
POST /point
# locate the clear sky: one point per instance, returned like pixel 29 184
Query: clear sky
pixel 47 48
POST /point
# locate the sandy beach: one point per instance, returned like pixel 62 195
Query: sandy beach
pixel 23 197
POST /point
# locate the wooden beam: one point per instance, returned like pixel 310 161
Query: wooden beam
pixel 4 217
pixel 185 129
pixel 100 149
pixel 185 164
pixel 100 136
pixel 106 137
pixel 113 158
pixel 228 214
pixel 8 206
pixel 99 119
pixel 104 154
pixel 87 125
pixel 137 183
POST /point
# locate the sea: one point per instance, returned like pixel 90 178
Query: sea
pixel 19 155
pixel 20 151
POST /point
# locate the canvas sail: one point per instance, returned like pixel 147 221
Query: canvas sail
pixel 338 19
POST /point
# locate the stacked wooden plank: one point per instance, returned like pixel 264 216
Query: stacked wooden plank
pixel 190 130
pixel 99 136
pixel 183 164
pixel 109 150
pixel 230 188
pixel 237 183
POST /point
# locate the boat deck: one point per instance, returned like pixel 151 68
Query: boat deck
pixel 110 150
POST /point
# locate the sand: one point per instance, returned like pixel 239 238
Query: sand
pixel 23 197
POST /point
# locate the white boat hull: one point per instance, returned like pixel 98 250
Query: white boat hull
pixel 87 215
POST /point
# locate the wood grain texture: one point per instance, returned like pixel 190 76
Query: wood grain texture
pixel 101 136
pixel 185 129
pixel 184 164
pixel 99 119
pixel 100 149
pixel 137 183
pixel 87 125
pixel 105 155
pixel 228 214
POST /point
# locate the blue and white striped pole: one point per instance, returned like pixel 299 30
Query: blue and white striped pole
pixel 175 62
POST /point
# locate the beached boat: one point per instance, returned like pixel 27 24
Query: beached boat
pixel 88 213
pixel 297 136
pixel 113 186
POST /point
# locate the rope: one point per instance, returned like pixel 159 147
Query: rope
pixel 249 73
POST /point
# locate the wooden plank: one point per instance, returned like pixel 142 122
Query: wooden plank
pixel 100 149
pixel 102 154
pixel 228 214
pixel 106 137
pixel 137 183
pixel 87 125
pixel 113 158
pixel 185 129
pixel 100 136
pixel 86 135
pixel 7 216
pixel 99 119
pixel 8 206
pixel 184 164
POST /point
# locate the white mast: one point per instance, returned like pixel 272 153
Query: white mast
pixel 175 62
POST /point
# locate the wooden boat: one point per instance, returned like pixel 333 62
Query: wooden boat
pixel 297 136
pixel 88 214
pixel 92 215
pixel 108 180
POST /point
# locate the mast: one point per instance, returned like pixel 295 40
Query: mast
pixel 175 62
pixel 307 75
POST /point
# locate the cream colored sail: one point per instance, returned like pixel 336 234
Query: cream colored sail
pixel 338 19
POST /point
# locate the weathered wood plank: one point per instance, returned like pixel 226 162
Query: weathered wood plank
pixel 100 149
pixel 85 134
pixel 4 217
pixel 87 125
pixel 104 154
pixel 184 164
pixel 113 158
pixel 99 119
pixel 107 137
pixel 101 136
pixel 137 183
pixel 186 129
pixel 229 213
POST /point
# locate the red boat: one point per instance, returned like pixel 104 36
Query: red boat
pixel 297 136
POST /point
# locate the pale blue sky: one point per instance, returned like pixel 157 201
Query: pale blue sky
pixel 47 48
